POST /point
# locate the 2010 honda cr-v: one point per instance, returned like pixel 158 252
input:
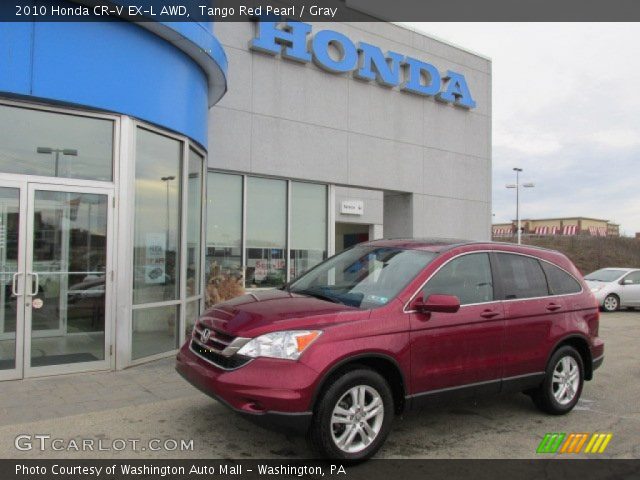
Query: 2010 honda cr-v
pixel 388 325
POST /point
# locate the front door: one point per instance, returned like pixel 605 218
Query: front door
pixel 630 292
pixel 54 262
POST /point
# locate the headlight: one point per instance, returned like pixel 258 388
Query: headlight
pixel 595 289
pixel 288 344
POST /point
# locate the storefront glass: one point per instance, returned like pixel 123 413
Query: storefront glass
pixel 37 142
pixel 157 218
pixel 266 232
pixel 224 274
pixel 167 263
pixel 308 226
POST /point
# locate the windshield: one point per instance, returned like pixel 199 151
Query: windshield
pixel 363 277
pixel 605 275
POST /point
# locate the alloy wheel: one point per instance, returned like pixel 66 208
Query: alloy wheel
pixel 566 380
pixel 357 418
pixel 611 303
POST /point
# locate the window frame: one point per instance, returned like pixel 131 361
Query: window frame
pixel 288 189
pixel 494 287
pixel 497 281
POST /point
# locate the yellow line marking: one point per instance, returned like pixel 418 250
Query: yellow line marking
pixel 598 442
pixel 605 443
pixel 591 442
pixel 581 443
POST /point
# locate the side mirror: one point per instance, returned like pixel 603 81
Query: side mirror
pixel 437 303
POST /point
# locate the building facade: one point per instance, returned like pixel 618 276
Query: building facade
pixel 559 226
pixel 176 165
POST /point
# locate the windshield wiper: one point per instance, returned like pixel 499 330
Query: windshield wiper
pixel 321 296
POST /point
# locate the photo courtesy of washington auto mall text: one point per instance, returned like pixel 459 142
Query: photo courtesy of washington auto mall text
pixel 361 239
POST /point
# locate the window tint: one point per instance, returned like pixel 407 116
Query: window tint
pixel 522 277
pixel 560 282
pixel 467 277
pixel 634 277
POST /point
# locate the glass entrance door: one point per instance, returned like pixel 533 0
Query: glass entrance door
pixel 56 316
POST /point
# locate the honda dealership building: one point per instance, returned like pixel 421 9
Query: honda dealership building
pixel 149 170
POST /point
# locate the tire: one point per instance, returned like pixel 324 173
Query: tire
pixel 549 396
pixel 338 415
pixel 611 303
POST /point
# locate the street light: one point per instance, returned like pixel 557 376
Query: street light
pixel 57 151
pixel 167 180
pixel 517 187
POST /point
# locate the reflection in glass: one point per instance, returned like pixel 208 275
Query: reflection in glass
pixel 194 223
pixel 308 226
pixel 155 330
pixel 69 265
pixel 9 221
pixel 224 237
pixel 266 232
pixel 193 312
pixel 35 142
pixel 157 218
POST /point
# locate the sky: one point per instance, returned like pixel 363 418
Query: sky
pixel 566 109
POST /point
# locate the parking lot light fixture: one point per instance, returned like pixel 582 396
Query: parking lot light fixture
pixel 70 152
pixel 517 186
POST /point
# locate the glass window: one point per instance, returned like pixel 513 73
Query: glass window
pixel 193 312
pixel 9 243
pixel 157 218
pixel 194 222
pixel 35 142
pixel 266 232
pixel 605 275
pixel 467 277
pixel 308 226
pixel 363 277
pixel 632 279
pixel 155 330
pixel 224 276
pixel 560 282
pixel 521 277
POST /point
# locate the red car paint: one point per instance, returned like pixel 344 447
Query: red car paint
pixel 491 347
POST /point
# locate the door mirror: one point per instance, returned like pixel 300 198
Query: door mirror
pixel 437 303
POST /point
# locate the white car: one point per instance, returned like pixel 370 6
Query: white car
pixel 615 287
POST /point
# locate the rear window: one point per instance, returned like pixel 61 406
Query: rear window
pixel 560 282
pixel 522 277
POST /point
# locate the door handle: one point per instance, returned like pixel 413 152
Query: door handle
pixel 489 314
pixel 14 289
pixel 552 307
pixel 37 289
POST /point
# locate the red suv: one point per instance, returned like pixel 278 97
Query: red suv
pixel 392 324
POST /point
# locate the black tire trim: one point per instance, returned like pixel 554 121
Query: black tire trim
pixel 361 356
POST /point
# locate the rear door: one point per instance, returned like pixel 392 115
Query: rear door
pixel 631 290
pixel 530 317
pixel 459 352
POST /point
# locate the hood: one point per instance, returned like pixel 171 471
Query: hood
pixel 599 285
pixel 274 310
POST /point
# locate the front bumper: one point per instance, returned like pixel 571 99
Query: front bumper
pixel 274 393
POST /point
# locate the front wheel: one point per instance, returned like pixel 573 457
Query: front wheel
pixel 353 416
pixel 611 303
pixel 562 386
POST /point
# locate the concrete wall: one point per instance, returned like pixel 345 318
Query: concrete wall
pixel 295 120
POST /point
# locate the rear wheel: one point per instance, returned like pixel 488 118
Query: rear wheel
pixel 353 416
pixel 562 386
pixel 611 303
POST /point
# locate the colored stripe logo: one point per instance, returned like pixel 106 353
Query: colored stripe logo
pixel 574 443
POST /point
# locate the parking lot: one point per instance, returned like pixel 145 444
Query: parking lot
pixel 153 402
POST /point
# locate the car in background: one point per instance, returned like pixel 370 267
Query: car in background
pixel 615 288
pixel 390 325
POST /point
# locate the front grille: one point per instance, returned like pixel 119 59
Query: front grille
pixel 226 363
pixel 217 340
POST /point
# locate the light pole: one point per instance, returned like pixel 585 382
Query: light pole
pixel 57 151
pixel 167 180
pixel 517 187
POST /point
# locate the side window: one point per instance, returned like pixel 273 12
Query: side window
pixel 522 277
pixel 467 277
pixel 560 282
pixel 634 277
